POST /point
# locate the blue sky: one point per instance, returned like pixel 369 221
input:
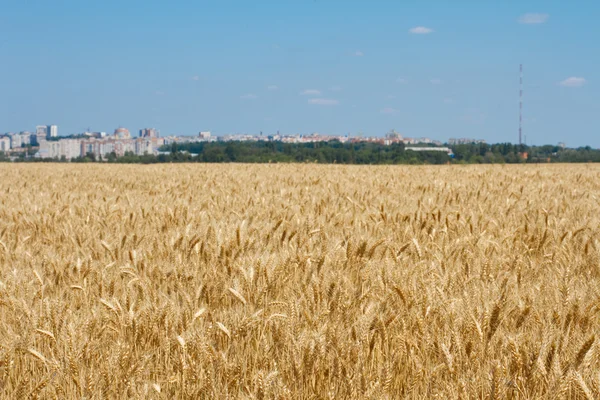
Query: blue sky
pixel 426 68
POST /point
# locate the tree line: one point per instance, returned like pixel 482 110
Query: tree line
pixel 346 153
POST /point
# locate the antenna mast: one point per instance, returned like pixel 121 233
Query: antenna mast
pixel 520 102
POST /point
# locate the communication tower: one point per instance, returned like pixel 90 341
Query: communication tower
pixel 520 103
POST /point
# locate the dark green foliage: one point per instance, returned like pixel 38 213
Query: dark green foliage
pixel 335 152
pixel 509 153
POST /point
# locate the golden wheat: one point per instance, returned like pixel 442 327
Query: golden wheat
pixel 299 281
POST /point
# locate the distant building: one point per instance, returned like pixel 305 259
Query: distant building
pixel 38 138
pixel 144 146
pixel 15 140
pixel 94 134
pixel 149 133
pixel 204 135
pixel 122 133
pixel 41 133
pixel 41 130
pixel 4 143
pixel 52 130
pixel 69 148
pixel 562 145
pixel 446 150
pixel 103 147
pixel 25 137
pixel 393 135
pixel 48 149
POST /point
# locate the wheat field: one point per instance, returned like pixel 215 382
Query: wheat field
pixel 299 282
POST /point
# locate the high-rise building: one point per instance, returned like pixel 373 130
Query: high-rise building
pixel 16 140
pixel 41 134
pixel 70 148
pixel 149 133
pixel 52 130
pixel 25 138
pixel 41 130
pixel 4 143
pixel 48 149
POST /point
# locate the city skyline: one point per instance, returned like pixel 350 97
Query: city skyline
pixel 429 70
pixel 50 131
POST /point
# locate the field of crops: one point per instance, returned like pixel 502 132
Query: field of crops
pixel 299 282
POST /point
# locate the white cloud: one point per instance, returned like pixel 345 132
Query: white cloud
pixel 272 87
pixel 248 96
pixel 435 81
pixel 359 53
pixel 420 30
pixel 195 78
pixel 324 102
pixel 533 18
pixel 335 88
pixel 402 80
pixel 573 81
pixel 310 92
pixel 388 110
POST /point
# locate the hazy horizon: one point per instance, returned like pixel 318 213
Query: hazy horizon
pixel 427 69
